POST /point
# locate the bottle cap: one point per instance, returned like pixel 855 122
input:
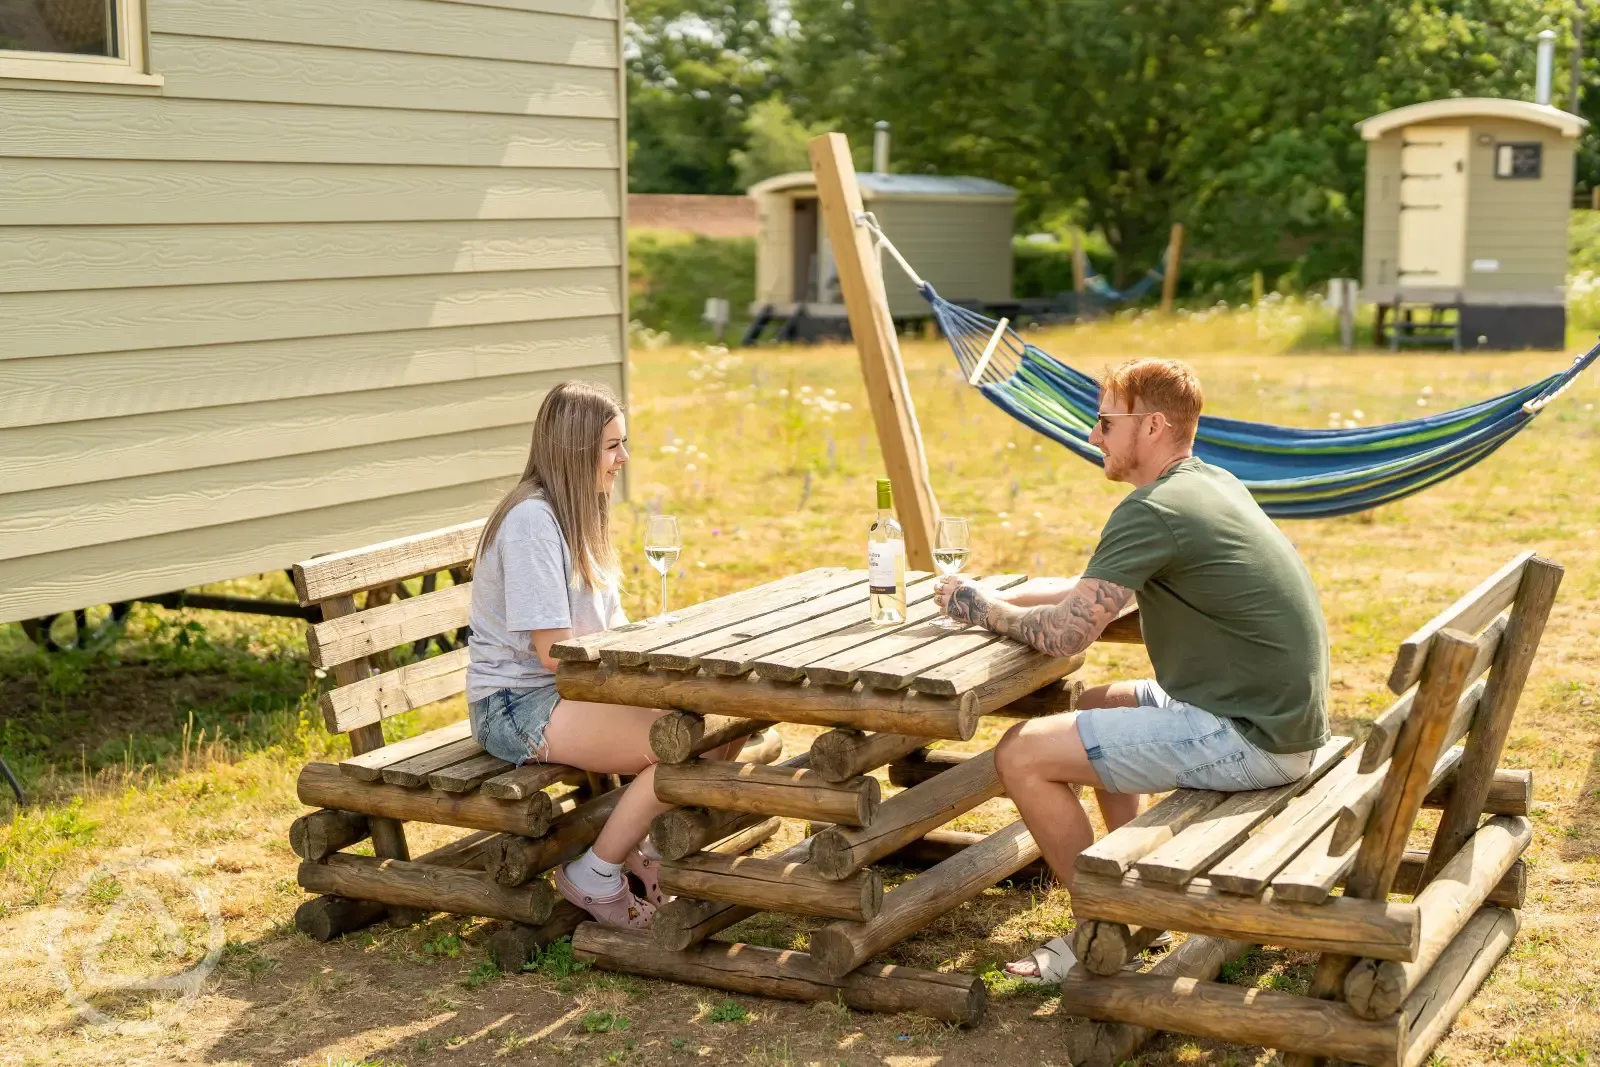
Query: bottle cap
pixel 885 494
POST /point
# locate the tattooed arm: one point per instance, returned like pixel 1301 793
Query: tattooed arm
pixel 1062 629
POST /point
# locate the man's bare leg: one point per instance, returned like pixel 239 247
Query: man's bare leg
pixel 1043 764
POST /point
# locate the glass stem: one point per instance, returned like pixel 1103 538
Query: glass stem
pixel 663 594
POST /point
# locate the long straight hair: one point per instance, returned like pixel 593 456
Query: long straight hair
pixel 563 468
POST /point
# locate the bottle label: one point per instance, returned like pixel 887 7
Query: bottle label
pixel 884 565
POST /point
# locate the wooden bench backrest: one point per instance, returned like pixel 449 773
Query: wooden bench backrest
pixel 1460 677
pixel 351 635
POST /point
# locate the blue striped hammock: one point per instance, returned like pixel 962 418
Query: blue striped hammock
pixel 1293 473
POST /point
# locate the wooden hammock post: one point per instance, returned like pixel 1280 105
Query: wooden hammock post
pixel 1080 272
pixel 873 330
pixel 1174 258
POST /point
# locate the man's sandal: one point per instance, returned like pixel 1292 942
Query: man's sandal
pixel 621 908
pixel 648 871
pixel 1053 959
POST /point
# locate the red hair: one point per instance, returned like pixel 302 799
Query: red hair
pixel 1165 385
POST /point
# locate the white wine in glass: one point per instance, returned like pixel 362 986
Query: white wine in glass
pixel 662 546
pixel 950 547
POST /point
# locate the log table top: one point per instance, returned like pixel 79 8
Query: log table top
pixel 801 649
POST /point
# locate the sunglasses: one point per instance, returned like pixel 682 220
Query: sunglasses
pixel 1107 416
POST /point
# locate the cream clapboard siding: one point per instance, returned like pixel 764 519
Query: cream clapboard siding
pixel 1521 224
pixel 1381 235
pixel 308 294
pixel 961 246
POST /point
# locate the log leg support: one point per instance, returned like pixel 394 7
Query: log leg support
pixel 1107 1044
pixel 954 998
pixel 843 946
pixel 1235 1014
pixel 327 917
pixel 1105 948
pixel 1434 1005
pixel 514 945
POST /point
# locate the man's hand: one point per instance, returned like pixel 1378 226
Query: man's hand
pixel 964 600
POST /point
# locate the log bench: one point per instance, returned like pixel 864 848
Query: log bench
pixel 1245 869
pixel 393 637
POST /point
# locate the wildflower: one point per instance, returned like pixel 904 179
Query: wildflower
pixel 1422 401
pixel 690 467
pixel 669 449
pixel 1427 390
pixel 828 392
pixel 1358 413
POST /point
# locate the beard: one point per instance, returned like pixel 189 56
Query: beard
pixel 1116 467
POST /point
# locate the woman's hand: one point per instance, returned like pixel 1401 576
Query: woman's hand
pixel 964 600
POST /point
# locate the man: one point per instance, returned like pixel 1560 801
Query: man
pixel 1231 622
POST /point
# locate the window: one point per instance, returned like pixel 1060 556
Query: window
pixel 1517 160
pixel 74 40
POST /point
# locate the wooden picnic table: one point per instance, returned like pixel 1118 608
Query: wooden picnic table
pixel 801 650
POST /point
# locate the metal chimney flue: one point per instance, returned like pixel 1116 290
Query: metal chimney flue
pixel 1545 67
pixel 880 148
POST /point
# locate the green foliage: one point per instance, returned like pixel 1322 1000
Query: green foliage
pixel 670 275
pixel 605 1022
pixel 729 1011
pixel 445 946
pixel 482 972
pixel 1235 118
pixel 556 961
pixel 775 143
pixel 694 72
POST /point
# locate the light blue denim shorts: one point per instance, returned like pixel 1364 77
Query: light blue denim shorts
pixel 510 723
pixel 1166 744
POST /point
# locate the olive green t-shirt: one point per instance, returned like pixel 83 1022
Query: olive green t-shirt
pixel 1230 616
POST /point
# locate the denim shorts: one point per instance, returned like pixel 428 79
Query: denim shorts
pixel 510 723
pixel 1166 744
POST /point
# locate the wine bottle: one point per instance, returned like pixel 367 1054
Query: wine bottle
pixel 886 563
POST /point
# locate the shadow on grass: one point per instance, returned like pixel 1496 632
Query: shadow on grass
pixel 168 686
pixel 1582 840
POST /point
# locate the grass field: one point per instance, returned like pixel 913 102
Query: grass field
pixel 180 739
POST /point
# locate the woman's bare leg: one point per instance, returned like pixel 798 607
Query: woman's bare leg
pixel 610 739
pixel 615 739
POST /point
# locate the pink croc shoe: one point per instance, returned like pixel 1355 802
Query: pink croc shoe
pixel 648 871
pixel 621 908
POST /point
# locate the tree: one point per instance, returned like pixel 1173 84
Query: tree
pixel 775 143
pixel 694 71
pixel 1236 117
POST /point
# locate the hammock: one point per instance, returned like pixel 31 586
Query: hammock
pixel 1097 284
pixel 1292 473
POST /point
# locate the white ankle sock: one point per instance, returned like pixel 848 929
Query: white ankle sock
pixel 594 876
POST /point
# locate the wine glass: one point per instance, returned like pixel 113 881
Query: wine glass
pixel 950 545
pixel 662 544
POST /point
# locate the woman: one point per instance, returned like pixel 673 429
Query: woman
pixel 547 571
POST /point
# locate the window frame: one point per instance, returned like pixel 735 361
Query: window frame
pixel 1514 177
pixel 131 67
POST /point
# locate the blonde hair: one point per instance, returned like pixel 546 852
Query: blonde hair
pixel 1165 385
pixel 563 467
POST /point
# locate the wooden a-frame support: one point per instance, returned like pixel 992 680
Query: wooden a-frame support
pixel 873 330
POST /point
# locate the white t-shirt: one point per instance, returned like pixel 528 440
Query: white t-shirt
pixel 525 582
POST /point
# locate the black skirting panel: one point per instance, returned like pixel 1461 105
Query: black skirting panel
pixel 1503 327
